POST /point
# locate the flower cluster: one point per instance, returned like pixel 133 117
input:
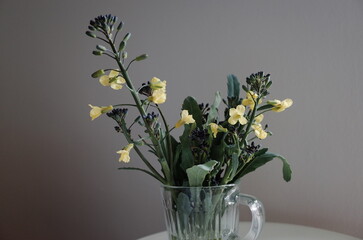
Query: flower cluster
pixel 211 150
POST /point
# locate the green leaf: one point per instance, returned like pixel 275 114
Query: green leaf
pixel 184 209
pixel 192 106
pixel 217 151
pixel 197 173
pixel 213 113
pixel 233 86
pixel 260 152
pixel 262 160
pixel 187 158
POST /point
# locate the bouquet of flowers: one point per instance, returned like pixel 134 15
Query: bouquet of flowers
pixel 217 146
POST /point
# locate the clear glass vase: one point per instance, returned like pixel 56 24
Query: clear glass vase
pixel 209 213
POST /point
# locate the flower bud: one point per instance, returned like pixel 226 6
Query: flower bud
pixel 124 55
pixel 91 34
pixel 101 48
pixel 98 73
pixel 127 37
pixel 245 88
pixel 268 84
pixel 141 57
pixel 97 53
pixel 91 28
pixel 119 27
pixel 121 46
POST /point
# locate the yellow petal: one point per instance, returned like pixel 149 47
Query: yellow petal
pixel 113 73
pixel 116 86
pixel 232 120
pixel 214 129
pixel 120 80
pixel 241 109
pixel 232 112
pixel 287 102
pixel 105 80
pixel 179 123
pixel 247 102
pixel 158 96
pixel 95 112
pixel 259 118
pixel 242 120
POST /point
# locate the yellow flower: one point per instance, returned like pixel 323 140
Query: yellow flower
pixel 280 106
pixel 250 99
pixel 125 153
pixel 216 128
pixel 185 119
pixel 158 96
pixel 156 84
pixel 259 118
pixel 236 115
pixel 113 80
pixel 260 133
pixel 97 111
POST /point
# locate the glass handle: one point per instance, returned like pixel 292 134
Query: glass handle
pixel 258 215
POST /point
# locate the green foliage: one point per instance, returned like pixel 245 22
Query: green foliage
pixel 210 151
pixel 197 173
pixel 262 160
pixel 192 106
pixel 233 86
pixel 213 113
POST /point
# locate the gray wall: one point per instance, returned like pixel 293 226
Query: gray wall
pixel 58 174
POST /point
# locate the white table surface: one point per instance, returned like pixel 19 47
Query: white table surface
pixel 279 231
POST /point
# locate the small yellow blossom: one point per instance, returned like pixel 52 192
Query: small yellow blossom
pixel 158 96
pixel 280 106
pixel 259 118
pixel 260 133
pixel 113 80
pixel 236 115
pixel 185 119
pixel 125 153
pixel 97 111
pixel 250 99
pixel 156 84
pixel 216 128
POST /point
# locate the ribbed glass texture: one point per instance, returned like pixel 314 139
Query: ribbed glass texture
pixel 207 213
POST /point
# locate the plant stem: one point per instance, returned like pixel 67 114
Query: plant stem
pixel 168 140
pixel 134 93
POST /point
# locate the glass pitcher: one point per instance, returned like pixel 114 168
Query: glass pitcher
pixel 209 213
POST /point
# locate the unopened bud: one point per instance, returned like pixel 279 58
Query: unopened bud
pixel 121 46
pixel 268 84
pixel 119 27
pixel 124 55
pixel 91 34
pixel 98 73
pixel 101 48
pixel 97 53
pixel 245 88
pixel 127 37
pixel 141 57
